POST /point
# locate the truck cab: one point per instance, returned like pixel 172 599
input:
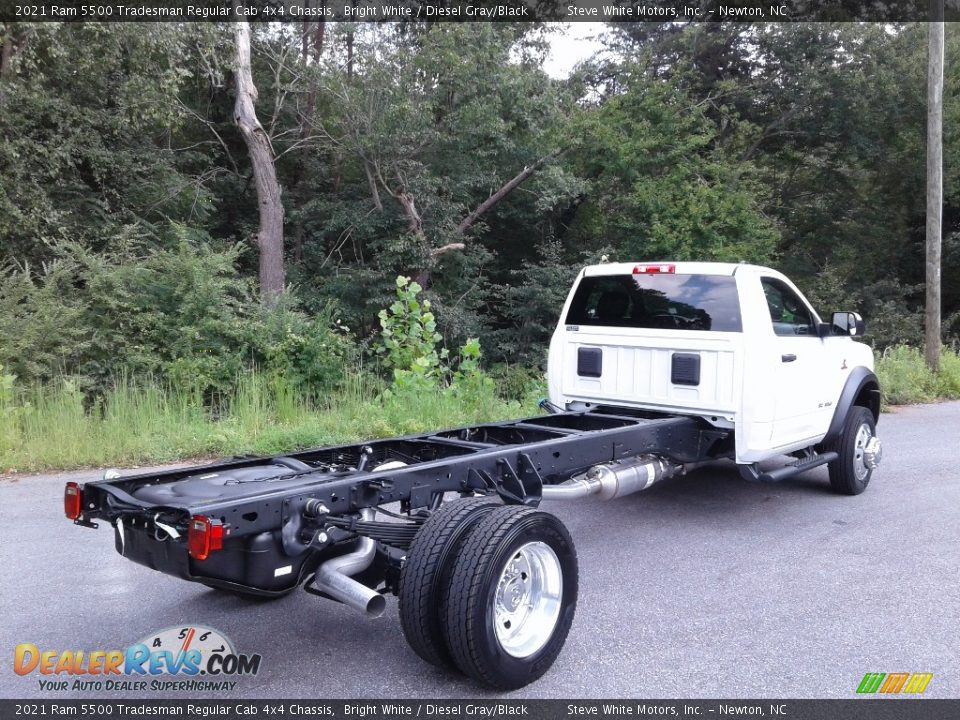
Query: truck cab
pixel 735 344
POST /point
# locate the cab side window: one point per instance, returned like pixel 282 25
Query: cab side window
pixel 788 313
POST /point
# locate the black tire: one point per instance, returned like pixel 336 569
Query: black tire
pixel 502 537
pixel 426 571
pixel 844 478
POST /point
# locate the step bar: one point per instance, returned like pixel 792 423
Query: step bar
pixel 753 474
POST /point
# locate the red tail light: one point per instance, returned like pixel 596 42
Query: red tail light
pixel 654 269
pixel 204 536
pixel 72 500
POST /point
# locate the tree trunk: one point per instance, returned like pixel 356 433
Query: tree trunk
pixel 311 37
pixel 934 189
pixel 319 30
pixel 270 236
pixel 6 56
pixel 414 221
pixel 349 54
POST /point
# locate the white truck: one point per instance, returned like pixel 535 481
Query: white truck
pixel 653 368
pixel 735 344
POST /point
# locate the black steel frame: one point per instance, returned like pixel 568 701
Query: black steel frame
pixel 309 515
pixel 513 459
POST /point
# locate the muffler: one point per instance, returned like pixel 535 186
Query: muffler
pixel 613 480
pixel 333 576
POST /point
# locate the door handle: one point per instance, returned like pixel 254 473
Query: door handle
pixel 788 358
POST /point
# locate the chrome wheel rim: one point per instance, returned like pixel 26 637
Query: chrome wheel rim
pixel 860 467
pixel 526 605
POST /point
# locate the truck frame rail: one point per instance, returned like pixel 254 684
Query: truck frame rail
pixel 513 459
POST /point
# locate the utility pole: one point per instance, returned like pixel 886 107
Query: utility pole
pixel 934 184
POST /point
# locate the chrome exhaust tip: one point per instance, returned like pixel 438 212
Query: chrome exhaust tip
pixel 333 577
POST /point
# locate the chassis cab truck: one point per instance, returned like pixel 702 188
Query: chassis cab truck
pixel 653 368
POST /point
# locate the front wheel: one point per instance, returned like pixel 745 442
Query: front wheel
pixel 512 597
pixel 859 451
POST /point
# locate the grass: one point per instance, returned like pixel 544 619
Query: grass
pixel 50 427
pixel 906 379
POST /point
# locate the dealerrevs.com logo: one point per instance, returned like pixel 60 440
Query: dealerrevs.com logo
pixel 178 658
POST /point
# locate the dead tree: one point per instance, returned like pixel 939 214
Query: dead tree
pixel 269 204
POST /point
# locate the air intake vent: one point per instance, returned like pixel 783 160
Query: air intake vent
pixel 589 362
pixel 685 369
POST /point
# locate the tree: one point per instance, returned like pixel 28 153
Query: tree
pixel 830 116
pixel 85 135
pixel 661 183
pixel 441 122
pixel 269 203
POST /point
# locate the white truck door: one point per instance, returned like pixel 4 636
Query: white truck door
pixel 797 355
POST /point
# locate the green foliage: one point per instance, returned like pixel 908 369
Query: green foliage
pixel 312 354
pixel 409 339
pixel 664 185
pixel 42 322
pixel 469 380
pixel 691 141
pixel 88 112
pixel 904 376
pixel 410 348
pixel 177 311
pixel 516 382
pixel 949 374
pixel 11 410
pixel 530 300
pixel 892 317
pixel 906 379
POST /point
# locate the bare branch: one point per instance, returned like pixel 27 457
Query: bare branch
pixel 372 181
pixel 211 128
pixel 449 247
pixel 497 197
pixel 306 142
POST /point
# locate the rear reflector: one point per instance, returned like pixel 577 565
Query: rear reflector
pixel 72 500
pixel 653 269
pixel 204 536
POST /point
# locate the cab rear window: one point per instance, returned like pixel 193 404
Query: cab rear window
pixel 659 301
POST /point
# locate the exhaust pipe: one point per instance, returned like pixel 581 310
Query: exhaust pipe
pixel 333 576
pixel 573 489
pixel 614 480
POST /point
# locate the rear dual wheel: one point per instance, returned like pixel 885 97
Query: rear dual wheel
pixel 512 597
pixel 426 573
pixel 504 598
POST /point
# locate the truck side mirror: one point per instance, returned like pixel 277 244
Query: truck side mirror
pixel 848 323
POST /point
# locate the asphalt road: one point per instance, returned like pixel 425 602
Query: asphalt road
pixel 704 586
